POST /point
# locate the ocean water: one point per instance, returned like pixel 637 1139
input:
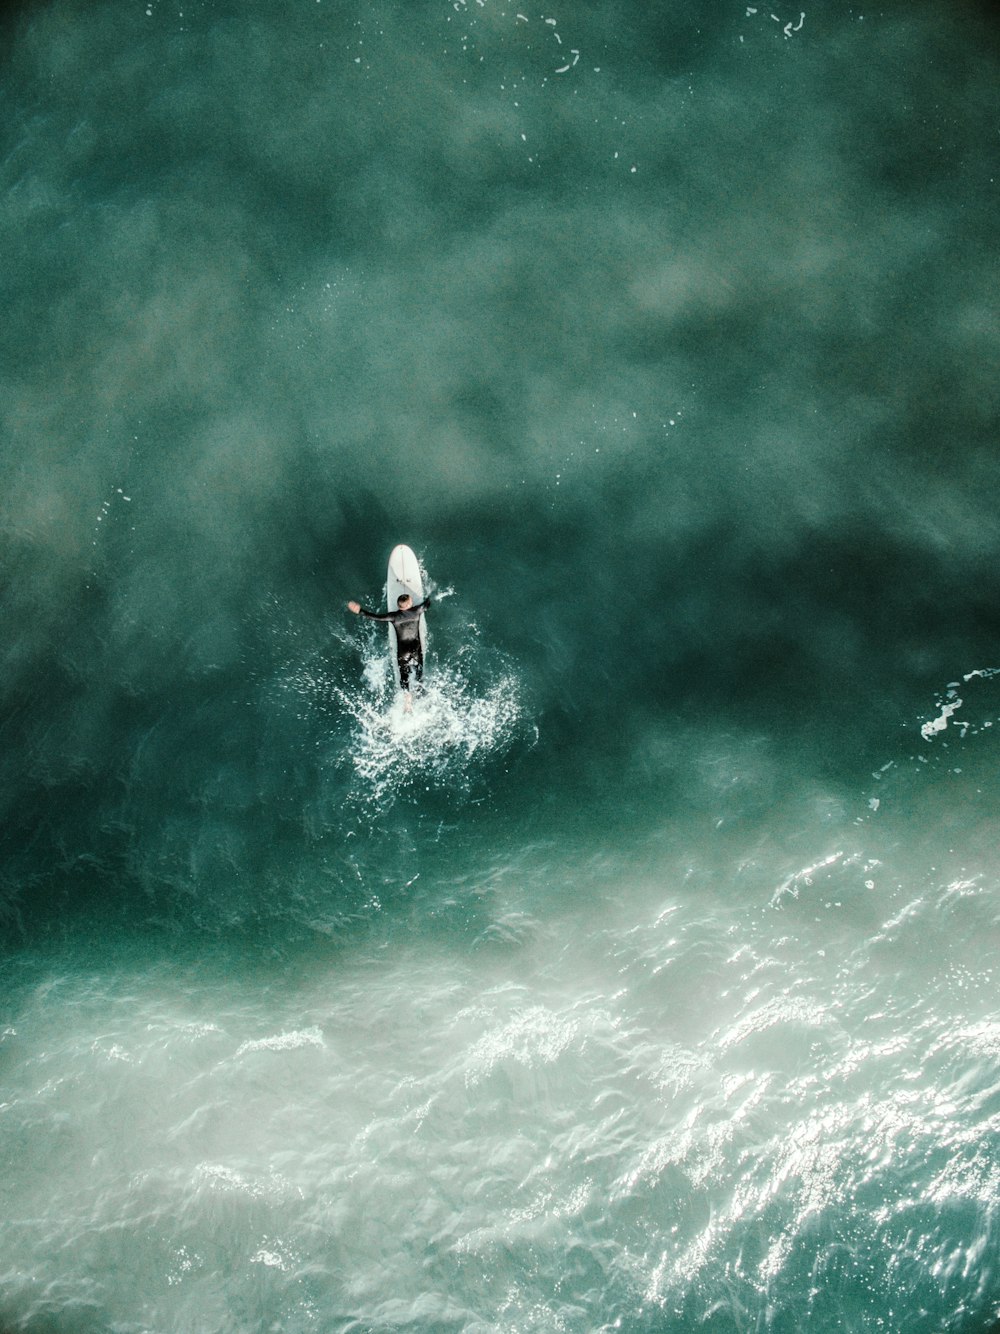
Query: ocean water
pixel 644 977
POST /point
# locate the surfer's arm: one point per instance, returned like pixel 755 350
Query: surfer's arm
pixel 357 608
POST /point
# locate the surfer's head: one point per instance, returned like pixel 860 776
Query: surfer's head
pixel 404 601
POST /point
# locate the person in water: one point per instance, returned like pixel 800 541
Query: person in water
pixel 406 622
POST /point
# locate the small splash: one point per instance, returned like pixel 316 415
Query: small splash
pixel 793 883
pixel 305 1037
pixel 950 703
pixel 949 707
pixel 274 1255
pixel 185 1264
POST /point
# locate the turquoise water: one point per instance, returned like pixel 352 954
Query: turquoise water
pixel 644 977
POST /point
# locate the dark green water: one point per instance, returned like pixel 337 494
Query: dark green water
pixel 644 979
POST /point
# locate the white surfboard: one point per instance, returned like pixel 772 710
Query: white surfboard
pixel 404 577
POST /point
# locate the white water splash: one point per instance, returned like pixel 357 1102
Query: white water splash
pixel 447 728
pixel 949 707
pixel 951 702
pixel 304 1037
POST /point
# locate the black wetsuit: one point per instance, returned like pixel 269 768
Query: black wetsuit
pixel 409 653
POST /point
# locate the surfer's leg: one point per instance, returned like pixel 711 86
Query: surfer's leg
pixel 407 663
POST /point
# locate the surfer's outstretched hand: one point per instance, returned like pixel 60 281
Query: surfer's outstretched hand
pixel 354 606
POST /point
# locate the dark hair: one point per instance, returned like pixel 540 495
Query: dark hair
pixel 402 598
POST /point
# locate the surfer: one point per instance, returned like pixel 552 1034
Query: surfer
pixel 406 622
